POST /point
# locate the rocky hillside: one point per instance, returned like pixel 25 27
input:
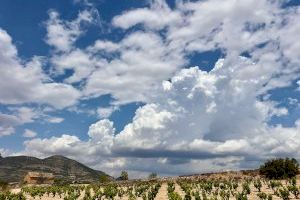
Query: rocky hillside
pixel 13 169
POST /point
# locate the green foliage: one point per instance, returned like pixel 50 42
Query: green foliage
pixel 294 190
pixel 174 196
pixel 153 175
pixel 104 178
pixel 293 181
pixel 197 189
pixel 225 195
pixel 262 196
pixel 124 176
pixel 284 193
pixel 257 184
pixel 246 188
pixel 187 196
pixel 280 168
pixel 275 185
pixel 197 196
pixel 171 187
pixel 110 191
pixel 61 182
pixel 11 196
pixel 241 196
pixel 270 197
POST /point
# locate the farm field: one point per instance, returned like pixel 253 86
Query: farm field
pixel 192 188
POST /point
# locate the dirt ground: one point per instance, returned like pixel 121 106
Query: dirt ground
pixel 163 194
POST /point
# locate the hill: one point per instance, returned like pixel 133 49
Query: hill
pixel 13 169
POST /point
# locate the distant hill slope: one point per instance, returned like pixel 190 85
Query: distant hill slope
pixel 13 169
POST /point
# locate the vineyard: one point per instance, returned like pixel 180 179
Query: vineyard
pixel 228 188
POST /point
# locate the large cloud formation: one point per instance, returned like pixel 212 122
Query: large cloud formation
pixel 192 120
pixel 201 119
pixel 27 83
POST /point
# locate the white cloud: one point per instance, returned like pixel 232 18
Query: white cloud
pixel 6 130
pixel 172 35
pixel 145 63
pixel 156 17
pixel 55 120
pixel 105 112
pixel 176 129
pixel 27 83
pixel 61 34
pixel 29 133
pixel 17 116
pixel 25 114
pixel 4 152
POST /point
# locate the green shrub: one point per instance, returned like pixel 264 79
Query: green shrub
pixel 262 195
pixel 257 184
pixel 61 182
pixel 241 196
pixel 294 190
pixel 284 193
pixel 174 196
pixel 103 178
pixel 246 188
pixel 280 168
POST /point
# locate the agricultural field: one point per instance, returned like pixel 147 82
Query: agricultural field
pixel 191 188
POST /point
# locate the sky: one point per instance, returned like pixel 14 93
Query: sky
pixel 172 87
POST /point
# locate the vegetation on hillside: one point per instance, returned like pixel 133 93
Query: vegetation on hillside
pixel 280 168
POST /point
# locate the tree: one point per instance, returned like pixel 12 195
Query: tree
pixel 153 175
pixel 280 168
pixel 124 176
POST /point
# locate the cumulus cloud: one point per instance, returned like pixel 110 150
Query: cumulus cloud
pixel 177 129
pixel 28 83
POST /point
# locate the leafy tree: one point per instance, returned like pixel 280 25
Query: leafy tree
pixel 124 176
pixel 280 168
pixel 153 175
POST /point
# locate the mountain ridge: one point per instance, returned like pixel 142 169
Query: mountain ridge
pixel 14 168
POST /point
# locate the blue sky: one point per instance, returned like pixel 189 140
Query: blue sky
pixel 160 82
